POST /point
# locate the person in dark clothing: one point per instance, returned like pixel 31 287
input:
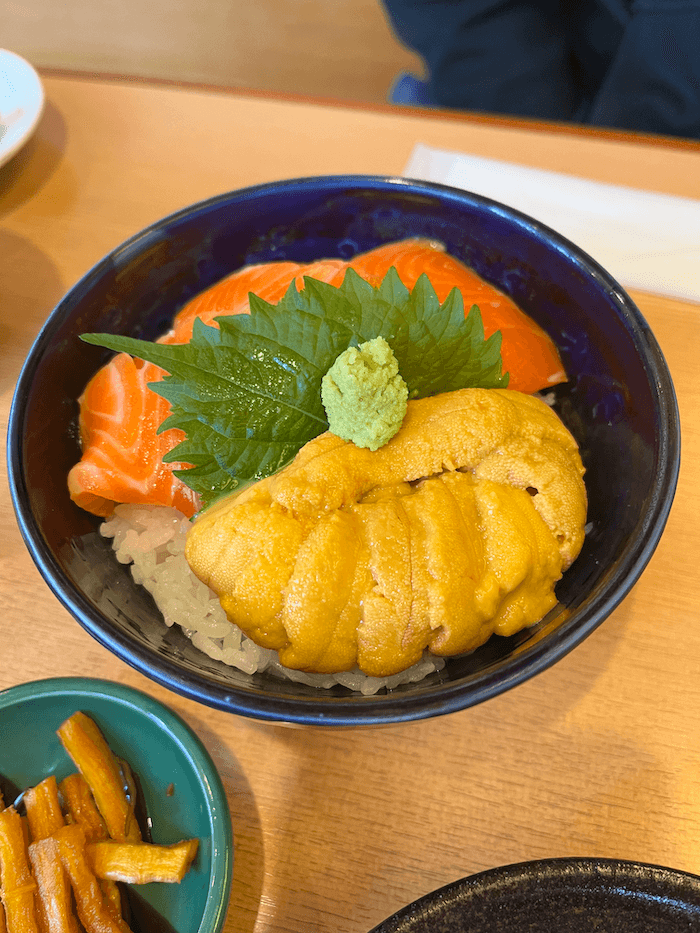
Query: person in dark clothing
pixel 629 64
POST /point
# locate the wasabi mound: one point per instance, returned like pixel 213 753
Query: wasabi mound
pixel 364 396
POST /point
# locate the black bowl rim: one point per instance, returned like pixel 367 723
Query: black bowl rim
pixel 355 710
pixel 499 882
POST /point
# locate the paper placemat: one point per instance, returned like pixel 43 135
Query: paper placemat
pixel 645 240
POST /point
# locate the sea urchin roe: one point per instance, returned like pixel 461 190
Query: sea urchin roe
pixel 356 557
pixel 364 396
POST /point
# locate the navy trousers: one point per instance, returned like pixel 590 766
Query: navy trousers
pixel 631 64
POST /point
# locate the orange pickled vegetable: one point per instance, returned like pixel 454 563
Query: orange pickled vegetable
pixel 141 862
pixel 3 925
pixel 93 908
pixel 94 759
pixel 82 810
pixel 81 807
pixel 43 808
pixel 54 905
pixel 18 885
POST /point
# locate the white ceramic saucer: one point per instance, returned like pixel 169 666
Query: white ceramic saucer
pixel 21 103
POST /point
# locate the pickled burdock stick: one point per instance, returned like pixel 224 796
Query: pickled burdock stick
pixel 3 925
pixel 43 808
pixel 18 886
pixel 113 900
pixel 44 817
pixel 82 810
pixel 81 807
pixel 141 863
pixel 93 908
pixel 94 759
pixel 54 902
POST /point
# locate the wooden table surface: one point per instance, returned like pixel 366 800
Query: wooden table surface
pixel 337 829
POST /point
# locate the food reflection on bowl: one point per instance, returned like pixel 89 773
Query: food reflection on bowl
pixel 181 794
pixel 618 403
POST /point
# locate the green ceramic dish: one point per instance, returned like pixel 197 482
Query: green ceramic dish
pixel 163 751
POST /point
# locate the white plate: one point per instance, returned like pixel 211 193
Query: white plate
pixel 21 103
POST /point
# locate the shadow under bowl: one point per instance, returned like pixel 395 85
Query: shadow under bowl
pixel 619 403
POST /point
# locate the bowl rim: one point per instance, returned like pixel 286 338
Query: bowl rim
pixel 355 709
pixel 190 746
pixel 567 870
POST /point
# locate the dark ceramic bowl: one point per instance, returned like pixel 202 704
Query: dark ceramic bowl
pixel 180 786
pixel 558 896
pixel 619 403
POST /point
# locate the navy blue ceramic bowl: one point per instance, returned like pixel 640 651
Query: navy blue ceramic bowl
pixel 574 895
pixel 619 403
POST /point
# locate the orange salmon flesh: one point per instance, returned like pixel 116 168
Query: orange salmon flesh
pixel 122 455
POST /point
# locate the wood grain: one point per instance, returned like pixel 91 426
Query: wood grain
pixel 335 830
pixel 344 48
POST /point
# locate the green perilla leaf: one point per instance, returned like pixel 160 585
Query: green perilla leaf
pixel 247 394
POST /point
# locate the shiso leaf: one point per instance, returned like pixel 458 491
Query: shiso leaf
pixel 247 394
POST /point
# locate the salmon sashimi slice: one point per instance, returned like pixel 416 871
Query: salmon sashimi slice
pixel 267 280
pixel 528 353
pixel 122 454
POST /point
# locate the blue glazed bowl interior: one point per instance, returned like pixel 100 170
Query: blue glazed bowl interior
pixel 619 403
pixel 162 751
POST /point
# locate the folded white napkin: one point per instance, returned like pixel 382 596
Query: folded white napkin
pixel 644 240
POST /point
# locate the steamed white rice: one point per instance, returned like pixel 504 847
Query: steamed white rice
pixel 152 540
